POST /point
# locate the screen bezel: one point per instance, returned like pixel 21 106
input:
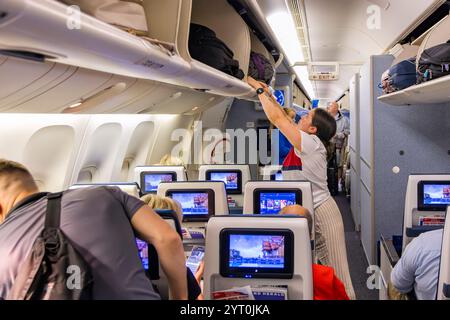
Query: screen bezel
pixel 420 193
pixel 232 272
pixel 197 217
pixel 144 173
pixel 228 191
pixel 153 261
pixel 257 196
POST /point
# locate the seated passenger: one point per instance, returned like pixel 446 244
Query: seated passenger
pixel 168 160
pixel 326 285
pixel 165 203
pixel 100 223
pixel 418 268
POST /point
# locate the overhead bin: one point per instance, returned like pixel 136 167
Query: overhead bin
pixel 39 30
pixel 433 91
pixel 229 27
pixel 42 27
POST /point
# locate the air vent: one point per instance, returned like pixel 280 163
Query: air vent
pixel 297 9
pixel 32 56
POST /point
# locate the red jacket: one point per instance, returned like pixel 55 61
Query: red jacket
pixel 326 285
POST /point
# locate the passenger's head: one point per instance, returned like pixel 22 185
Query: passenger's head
pixel 290 112
pixel 333 108
pixel 16 183
pixel 298 210
pixel 320 123
pixel 164 203
pixel 169 160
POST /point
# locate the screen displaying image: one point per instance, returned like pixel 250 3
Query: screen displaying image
pixel 230 179
pixel 196 257
pixel 192 203
pixel 256 251
pixel 436 194
pixel 273 202
pixel 143 252
pixel 151 181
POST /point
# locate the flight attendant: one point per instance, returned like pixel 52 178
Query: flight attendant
pixel 307 160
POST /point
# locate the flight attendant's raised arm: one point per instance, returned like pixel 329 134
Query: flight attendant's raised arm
pixel 276 115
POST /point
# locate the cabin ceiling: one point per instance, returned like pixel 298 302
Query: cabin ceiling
pixel 339 31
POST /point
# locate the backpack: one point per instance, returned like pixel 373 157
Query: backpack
pixel 260 68
pixel 54 270
pixel 205 47
pixel 400 76
pixel 434 63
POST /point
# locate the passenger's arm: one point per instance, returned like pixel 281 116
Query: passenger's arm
pixel 153 229
pixel 277 116
pixel 403 275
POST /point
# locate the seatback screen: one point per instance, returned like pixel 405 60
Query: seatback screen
pixel 231 178
pixel 272 202
pixel 150 181
pixel 149 259
pixel 433 195
pixel 256 253
pixel 196 205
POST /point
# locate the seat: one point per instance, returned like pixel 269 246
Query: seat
pixel 234 176
pixel 444 273
pixel 281 256
pixel 421 215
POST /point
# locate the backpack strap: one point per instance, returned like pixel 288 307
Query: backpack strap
pixel 53 215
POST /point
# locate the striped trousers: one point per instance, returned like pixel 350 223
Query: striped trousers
pixel 330 242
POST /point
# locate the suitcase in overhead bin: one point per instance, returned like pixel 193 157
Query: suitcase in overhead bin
pixel 260 68
pixel 205 47
pixel 123 14
pixel 400 76
pixel 434 63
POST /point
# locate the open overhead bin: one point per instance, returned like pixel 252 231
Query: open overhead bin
pixel 43 28
pixel 229 27
pixel 48 30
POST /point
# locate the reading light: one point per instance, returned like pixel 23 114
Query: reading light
pixel 194 108
pixel 76 104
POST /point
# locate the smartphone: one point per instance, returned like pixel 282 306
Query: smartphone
pixel 197 255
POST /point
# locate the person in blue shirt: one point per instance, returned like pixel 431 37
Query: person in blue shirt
pixel 284 146
pixel 418 268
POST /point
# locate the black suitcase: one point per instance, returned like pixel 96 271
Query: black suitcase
pixel 205 47
pixel 332 175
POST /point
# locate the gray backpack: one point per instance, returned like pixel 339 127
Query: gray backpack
pixel 434 63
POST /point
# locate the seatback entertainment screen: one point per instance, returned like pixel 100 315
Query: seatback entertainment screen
pixel 433 195
pixel 151 180
pixel 254 253
pixel 197 205
pixel 231 178
pixel 149 259
pixel 270 202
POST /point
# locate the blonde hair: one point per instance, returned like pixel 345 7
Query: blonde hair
pixel 164 203
pixel 168 160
